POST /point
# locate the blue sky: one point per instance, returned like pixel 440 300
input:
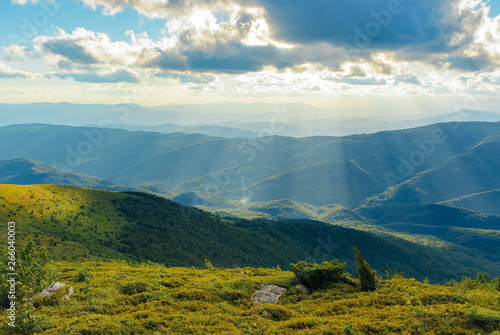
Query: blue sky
pixel 340 54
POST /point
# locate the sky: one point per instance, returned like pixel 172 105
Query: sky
pixel 358 56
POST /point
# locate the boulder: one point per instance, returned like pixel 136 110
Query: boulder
pixel 302 288
pixel 51 289
pixel 268 293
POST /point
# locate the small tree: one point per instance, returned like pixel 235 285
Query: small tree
pixel 367 276
pixel 316 276
pixel 33 275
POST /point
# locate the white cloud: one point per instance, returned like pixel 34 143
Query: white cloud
pixel 16 52
pixel 155 8
pixel 23 2
pixel 8 72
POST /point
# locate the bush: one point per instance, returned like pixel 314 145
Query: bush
pixel 273 312
pixel 485 318
pixel 317 276
pixel 367 277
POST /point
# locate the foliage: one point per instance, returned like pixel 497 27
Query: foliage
pixel 90 225
pixel 317 276
pixel 151 299
pixel 33 275
pixel 367 277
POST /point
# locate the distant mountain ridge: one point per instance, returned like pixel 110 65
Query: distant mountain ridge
pixel 349 171
pixel 247 119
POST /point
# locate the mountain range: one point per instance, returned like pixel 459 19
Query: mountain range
pixel 441 163
pixel 246 120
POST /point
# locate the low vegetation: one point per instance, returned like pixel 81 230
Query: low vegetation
pixel 119 298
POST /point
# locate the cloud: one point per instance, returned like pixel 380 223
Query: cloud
pixel 153 9
pixel 16 53
pixel 23 2
pixel 8 72
pixel 189 78
pixel 408 78
pixel 121 75
pixel 357 71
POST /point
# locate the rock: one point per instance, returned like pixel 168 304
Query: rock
pixel 268 293
pixel 302 288
pixel 53 288
pixel 69 294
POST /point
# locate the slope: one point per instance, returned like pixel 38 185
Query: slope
pixel 27 172
pixel 77 223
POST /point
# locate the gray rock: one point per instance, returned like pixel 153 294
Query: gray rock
pixel 268 293
pixel 69 294
pixel 53 288
pixel 302 288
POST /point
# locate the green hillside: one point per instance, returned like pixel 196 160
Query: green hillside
pixel 81 224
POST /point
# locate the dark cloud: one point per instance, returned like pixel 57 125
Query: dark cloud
pixel 246 59
pixel 472 64
pixel 70 49
pixel 374 24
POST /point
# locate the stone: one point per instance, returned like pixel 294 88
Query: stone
pixel 53 288
pixel 268 293
pixel 69 294
pixel 302 288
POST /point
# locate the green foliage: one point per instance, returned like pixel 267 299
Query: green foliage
pixel 367 277
pixel 348 330
pixel 82 275
pixel 152 299
pixel 483 278
pixel 496 283
pixel 33 275
pixel 208 265
pixel 485 318
pixel 318 276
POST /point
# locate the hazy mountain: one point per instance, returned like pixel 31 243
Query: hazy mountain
pixel 187 129
pixel 247 120
pixel 27 172
pixel 423 165
pixel 484 202
pixel 475 170
pixel 460 226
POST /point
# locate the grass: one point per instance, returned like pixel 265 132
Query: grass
pixel 118 298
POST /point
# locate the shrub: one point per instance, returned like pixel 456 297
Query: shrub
pixel 485 318
pixel 82 275
pixel 273 312
pixel 134 288
pixel 317 276
pixel 367 277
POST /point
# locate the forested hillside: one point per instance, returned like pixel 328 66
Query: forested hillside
pixel 80 224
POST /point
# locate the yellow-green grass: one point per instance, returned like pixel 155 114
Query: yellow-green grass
pixel 150 299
